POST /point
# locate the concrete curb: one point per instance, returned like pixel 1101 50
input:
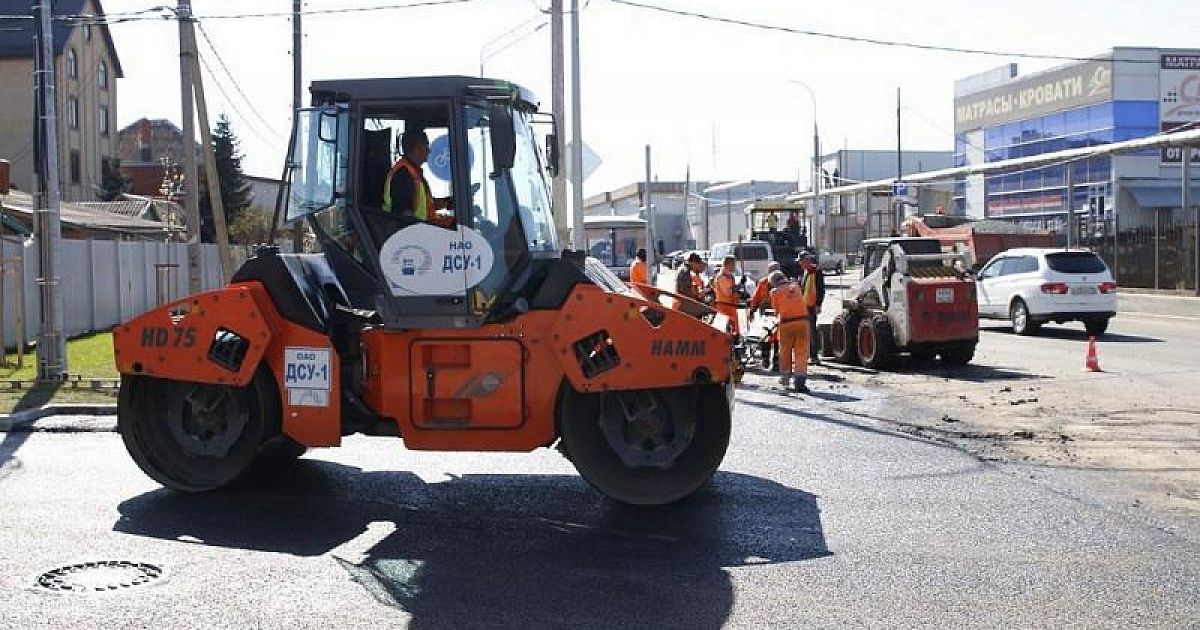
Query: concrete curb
pixel 9 422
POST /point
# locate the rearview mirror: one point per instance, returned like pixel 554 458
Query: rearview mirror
pixel 504 136
pixel 552 154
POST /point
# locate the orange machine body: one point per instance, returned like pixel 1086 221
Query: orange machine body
pixel 492 388
pixel 179 341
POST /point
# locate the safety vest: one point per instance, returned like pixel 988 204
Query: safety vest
pixel 422 202
pixel 810 289
pixel 638 272
pixel 789 302
pixel 723 287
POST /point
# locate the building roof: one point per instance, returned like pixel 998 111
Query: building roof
pixel 82 215
pixel 16 35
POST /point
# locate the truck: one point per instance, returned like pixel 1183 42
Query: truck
pixel 979 239
pixel 470 333
pixel 786 242
pixel 912 298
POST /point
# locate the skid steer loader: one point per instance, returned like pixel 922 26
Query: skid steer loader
pixel 912 298
pixel 469 333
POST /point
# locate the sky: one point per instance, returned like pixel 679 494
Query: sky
pixel 716 98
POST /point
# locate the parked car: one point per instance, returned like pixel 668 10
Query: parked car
pixel 755 256
pixel 1032 286
pixel 830 261
pixel 672 259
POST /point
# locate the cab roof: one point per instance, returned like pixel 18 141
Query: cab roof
pixel 416 88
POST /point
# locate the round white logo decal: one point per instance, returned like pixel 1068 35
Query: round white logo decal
pixel 423 259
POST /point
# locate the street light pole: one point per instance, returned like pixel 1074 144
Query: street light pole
pixel 578 241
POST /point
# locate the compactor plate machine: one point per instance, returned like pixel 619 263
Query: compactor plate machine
pixel 472 332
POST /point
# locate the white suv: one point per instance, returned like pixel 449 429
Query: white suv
pixel 1033 286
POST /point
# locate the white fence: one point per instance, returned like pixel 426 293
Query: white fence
pixel 103 282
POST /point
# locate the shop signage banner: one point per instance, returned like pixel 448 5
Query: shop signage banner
pixel 1073 86
pixel 1179 99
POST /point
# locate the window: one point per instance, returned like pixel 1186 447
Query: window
pixel 75 168
pixel 1076 262
pixel 72 64
pixel 102 75
pixel 73 112
pixel 103 120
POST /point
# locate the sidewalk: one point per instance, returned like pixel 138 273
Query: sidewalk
pixel 1160 305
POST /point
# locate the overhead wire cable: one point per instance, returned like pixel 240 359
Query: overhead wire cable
pixel 236 86
pixel 871 40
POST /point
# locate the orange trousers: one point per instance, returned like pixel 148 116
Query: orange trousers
pixel 730 311
pixel 793 341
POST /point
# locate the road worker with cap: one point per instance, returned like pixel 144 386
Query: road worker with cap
pixel 791 301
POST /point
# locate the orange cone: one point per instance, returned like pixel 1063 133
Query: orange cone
pixel 1092 363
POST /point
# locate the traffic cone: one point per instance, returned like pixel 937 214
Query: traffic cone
pixel 1092 363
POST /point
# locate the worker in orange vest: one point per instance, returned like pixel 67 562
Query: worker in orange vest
pixel 792 302
pixel 760 300
pixel 405 191
pixel 725 294
pixel 638 272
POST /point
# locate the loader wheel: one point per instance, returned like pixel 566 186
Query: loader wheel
pixel 646 447
pixel 876 345
pixel 843 336
pixel 195 436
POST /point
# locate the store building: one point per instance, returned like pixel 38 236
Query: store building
pixel 1124 94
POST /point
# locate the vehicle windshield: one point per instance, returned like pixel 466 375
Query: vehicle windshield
pixel 753 252
pixel 318 161
pixel 1076 262
pixel 613 246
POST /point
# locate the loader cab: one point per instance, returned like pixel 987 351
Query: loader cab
pixel 457 268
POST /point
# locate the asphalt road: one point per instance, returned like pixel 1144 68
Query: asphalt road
pixel 818 518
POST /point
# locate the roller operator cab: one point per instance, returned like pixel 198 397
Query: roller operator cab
pixel 465 331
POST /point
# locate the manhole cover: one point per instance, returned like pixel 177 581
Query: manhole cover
pixel 99 576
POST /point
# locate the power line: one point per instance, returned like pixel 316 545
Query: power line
pixel 233 104
pixel 869 40
pixel 364 9
pixel 162 13
pixel 236 86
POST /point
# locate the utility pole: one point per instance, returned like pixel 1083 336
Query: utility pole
pixel 558 184
pixel 215 203
pixel 191 203
pixel 899 162
pixel 578 239
pixel 1186 172
pixel 1070 203
pixel 52 344
pixel 651 237
pixel 297 83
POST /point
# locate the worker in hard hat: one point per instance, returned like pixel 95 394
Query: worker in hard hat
pixel 791 301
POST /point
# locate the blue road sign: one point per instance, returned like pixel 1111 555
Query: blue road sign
pixel 439 157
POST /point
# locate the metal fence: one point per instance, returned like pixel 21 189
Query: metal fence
pixel 103 282
pixel 1162 256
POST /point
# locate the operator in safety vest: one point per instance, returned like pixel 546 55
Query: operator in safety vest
pixel 792 302
pixel 405 191
pixel 638 272
pixel 725 293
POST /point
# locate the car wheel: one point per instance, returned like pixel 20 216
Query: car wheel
pixel 1096 326
pixel 1022 323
